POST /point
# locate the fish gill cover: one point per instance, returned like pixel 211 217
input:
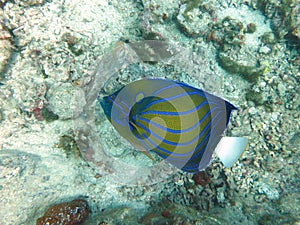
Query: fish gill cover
pixel 100 144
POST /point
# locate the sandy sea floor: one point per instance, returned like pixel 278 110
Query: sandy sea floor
pixel 56 145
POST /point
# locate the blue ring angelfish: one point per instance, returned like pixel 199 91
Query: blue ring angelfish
pixel 180 123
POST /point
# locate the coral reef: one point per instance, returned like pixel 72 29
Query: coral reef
pixel 67 213
pixel 166 212
pixel 214 189
pixel 171 213
pixel 54 49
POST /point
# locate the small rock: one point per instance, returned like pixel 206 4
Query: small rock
pixel 265 50
pixel 255 97
pixel 295 140
pixel 281 89
pixel 268 38
pixel 201 178
pixel 271 193
pixel 220 195
pixel 67 213
pixel 251 28
pixel 66 101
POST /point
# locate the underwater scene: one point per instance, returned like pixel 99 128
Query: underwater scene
pixel 149 112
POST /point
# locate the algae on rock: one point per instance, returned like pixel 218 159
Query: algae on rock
pixel 247 67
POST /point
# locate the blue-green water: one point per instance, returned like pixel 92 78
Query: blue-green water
pixel 56 144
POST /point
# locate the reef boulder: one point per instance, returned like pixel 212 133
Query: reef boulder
pixel 66 213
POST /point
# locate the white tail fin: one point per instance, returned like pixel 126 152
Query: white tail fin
pixel 230 149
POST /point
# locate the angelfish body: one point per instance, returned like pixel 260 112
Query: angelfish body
pixel 180 123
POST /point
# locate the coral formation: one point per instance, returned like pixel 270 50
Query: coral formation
pixel 243 64
pixel 193 21
pixel 73 43
pixel 48 115
pixel 255 97
pixel 153 12
pixel 6 45
pixel 27 3
pixel 66 101
pixel 284 16
pixel 66 213
pixel 69 145
pixel 201 178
